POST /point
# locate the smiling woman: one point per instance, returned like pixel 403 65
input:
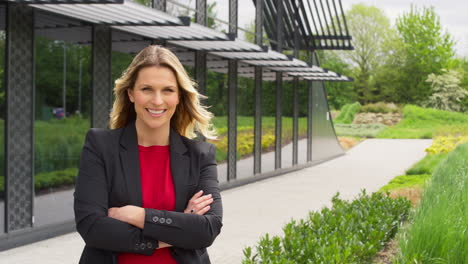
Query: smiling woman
pixel 146 192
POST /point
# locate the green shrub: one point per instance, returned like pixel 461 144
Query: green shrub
pixel 349 232
pixel 380 107
pixel 421 122
pixel 347 113
pixel 439 230
pixel 359 130
pixel 45 180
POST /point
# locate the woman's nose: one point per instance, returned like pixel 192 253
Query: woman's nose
pixel 157 99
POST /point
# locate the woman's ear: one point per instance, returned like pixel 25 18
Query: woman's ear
pixel 130 95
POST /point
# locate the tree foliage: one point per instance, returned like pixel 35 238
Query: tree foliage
pixel 428 49
pixel 447 92
pixel 369 26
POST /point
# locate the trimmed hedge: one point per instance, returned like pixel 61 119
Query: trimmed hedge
pixel 347 113
pixel 45 180
pixel 349 232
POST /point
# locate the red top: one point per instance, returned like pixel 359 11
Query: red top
pixel 158 192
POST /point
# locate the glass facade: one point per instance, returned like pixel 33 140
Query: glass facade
pixel 302 145
pixel 62 118
pixel 287 125
pixel 268 126
pixel 245 127
pixel 216 90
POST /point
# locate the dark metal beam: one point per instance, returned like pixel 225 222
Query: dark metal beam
pixel 258 91
pixel 279 86
pixel 101 63
pixel 159 4
pixel 232 99
pixel 19 125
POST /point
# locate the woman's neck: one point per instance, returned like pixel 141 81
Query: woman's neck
pixel 151 137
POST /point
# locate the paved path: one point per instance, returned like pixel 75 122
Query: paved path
pixel 263 207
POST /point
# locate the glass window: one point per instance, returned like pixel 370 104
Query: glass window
pixel 268 124
pixel 245 126
pixel 287 124
pixel 302 145
pixel 63 111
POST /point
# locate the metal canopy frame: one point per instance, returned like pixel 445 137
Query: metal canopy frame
pixel 138 25
pixel 124 13
pixel 320 24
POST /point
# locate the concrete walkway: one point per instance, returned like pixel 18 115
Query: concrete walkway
pixel 263 207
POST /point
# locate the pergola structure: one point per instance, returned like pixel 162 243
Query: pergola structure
pixel 125 26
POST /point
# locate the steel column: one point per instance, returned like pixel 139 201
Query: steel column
pixel 232 120
pixel 279 86
pixel 232 100
pixel 310 105
pixel 258 92
pixel 19 125
pixel 200 56
pixel 297 47
pixel 159 4
pixel 101 63
pixel 295 121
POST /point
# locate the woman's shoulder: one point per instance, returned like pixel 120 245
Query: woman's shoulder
pixel 197 145
pixel 103 135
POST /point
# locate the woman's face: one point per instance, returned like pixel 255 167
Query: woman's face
pixel 155 96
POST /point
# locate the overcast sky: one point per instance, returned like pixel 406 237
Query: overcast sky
pixel 452 13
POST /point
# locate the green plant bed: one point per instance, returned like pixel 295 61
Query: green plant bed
pixel 405 181
pixel 46 180
pixel 349 232
pixel 439 229
pixel 421 122
pixel 359 130
pixel 427 165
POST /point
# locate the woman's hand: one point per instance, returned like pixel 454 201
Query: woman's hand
pixel 131 214
pixel 199 204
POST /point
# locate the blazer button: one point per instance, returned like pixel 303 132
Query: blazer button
pixel 169 221
pixel 155 219
pixel 149 245
pixel 143 246
pixel 162 220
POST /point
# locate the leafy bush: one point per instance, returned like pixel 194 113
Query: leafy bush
pixel 446 144
pixel 349 232
pixel 347 113
pixel 380 107
pixel 359 130
pixel 447 92
pixel 439 233
pixel 421 122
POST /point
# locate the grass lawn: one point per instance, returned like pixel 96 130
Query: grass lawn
pixel 421 122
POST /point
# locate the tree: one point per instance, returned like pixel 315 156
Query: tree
pixel 448 94
pixel 428 49
pixel 368 25
pixel 339 93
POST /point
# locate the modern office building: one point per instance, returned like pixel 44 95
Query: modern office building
pixel 58 61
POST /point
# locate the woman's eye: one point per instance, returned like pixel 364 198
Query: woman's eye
pixel 169 90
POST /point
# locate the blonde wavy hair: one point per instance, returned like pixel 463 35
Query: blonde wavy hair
pixel 190 115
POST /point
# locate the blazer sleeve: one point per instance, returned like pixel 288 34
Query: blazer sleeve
pixel 91 205
pixel 190 231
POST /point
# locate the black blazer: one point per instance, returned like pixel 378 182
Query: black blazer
pixel 109 176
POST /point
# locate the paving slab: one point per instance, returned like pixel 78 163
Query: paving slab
pixel 252 210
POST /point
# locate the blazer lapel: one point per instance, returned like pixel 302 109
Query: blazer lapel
pixel 130 161
pixel 179 168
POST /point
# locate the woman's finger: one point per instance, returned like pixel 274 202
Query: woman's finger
pixel 204 204
pixel 203 211
pixel 202 199
pixel 196 195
